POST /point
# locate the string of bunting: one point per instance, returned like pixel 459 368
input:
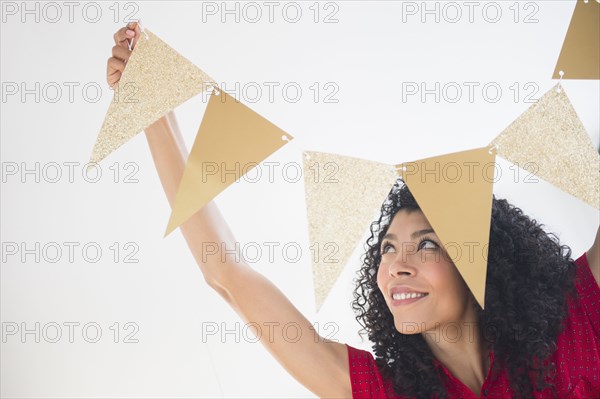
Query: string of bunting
pixel 548 135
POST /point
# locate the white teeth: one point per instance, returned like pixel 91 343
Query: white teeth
pixel 403 296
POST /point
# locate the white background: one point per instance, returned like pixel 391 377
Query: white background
pixel 372 50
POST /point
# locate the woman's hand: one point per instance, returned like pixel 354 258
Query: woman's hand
pixel 121 52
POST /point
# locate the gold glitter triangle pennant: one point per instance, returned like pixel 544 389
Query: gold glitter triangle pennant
pixel 454 191
pixel 343 195
pixel 580 54
pixel 550 141
pixel 231 141
pixel 156 79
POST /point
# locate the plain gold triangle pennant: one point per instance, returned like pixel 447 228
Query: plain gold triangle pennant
pixel 550 141
pixel 231 141
pixel 454 191
pixel 156 79
pixel 580 54
pixel 343 195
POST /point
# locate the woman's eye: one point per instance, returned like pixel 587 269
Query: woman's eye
pixel 385 247
pixel 432 246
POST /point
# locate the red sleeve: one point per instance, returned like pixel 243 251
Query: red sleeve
pixel 588 292
pixel 365 378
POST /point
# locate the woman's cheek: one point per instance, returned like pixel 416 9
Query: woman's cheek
pixel 382 277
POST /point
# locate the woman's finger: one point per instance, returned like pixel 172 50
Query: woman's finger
pixel 137 31
pixel 114 78
pixel 124 36
pixel 121 53
pixel 114 69
pixel 121 37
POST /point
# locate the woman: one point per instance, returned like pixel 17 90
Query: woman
pixel 542 312
pixel 540 329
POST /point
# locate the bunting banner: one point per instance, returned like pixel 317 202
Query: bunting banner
pixel 231 141
pixel 580 54
pixel 156 79
pixel 343 196
pixel 550 141
pixel 454 191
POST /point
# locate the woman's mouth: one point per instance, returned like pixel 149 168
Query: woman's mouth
pixel 407 298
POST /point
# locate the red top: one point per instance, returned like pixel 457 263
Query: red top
pixel 577 357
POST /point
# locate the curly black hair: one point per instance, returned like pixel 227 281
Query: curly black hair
pixel 529 277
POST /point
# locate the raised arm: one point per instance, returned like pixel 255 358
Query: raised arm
pixel 320 365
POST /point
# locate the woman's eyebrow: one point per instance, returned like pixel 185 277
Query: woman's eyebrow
pixel 389 236
pixel 420 233
pixel 414 235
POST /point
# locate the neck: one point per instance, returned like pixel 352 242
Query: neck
pixel 462 349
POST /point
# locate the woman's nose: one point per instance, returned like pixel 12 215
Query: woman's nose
pixel 401 267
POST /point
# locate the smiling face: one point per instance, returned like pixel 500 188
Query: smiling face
pixel 421 286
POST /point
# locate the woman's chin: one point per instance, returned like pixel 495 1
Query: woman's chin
pixel 409 327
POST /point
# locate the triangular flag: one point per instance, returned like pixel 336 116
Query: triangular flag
pixel 156 79
pixel 580 54
pixel 550 141
pixel 231 141
pixel 454 191
pixel 343 195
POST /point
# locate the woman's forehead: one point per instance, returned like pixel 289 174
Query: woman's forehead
pixel 408 221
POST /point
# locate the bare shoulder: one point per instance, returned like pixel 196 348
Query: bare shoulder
pixel 593 257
